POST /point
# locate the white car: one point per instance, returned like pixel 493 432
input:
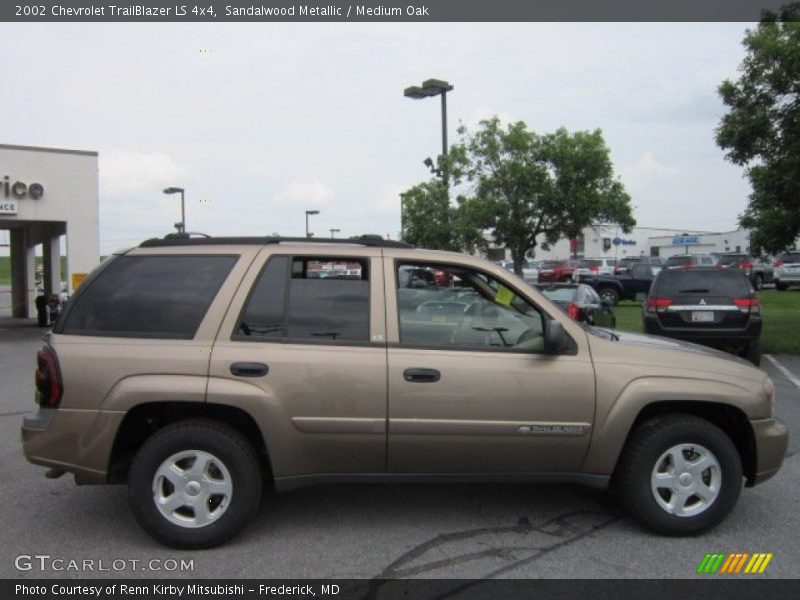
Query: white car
pixel 530 270
pixel 594 266
pixel 787 270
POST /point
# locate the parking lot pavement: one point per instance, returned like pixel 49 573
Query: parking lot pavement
pixel 430 531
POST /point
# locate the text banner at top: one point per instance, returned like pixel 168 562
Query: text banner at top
pixel 408 11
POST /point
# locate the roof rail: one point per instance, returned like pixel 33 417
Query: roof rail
pixel 172 239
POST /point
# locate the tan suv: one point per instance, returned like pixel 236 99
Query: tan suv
pixel 196 370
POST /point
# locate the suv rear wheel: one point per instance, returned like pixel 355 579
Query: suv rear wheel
pixel 195 484
pixel 679 475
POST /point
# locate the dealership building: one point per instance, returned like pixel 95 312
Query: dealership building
pixel 48 207
pixel 609 241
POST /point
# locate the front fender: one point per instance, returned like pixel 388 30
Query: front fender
pixel 614 421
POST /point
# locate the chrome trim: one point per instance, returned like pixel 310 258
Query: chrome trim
pixel 703 307
pixel 485 427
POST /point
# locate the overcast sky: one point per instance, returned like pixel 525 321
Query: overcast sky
pixel 260 122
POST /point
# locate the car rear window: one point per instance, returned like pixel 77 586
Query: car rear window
pixel 674 261
pixel 588 263
pixel 790 257
pixel 731 259
pixel 149 296
pixel 702 281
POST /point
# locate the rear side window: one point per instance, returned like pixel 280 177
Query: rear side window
pixel 149 297
pixel 308 299
pixel 732 284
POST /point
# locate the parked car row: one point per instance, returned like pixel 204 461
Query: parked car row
pixel 784 272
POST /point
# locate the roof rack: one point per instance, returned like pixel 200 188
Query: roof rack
pixel 185 239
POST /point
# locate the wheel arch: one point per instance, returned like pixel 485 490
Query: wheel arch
pixel 730 419
pixel 143 420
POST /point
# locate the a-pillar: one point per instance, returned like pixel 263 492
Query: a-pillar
pixel 23 274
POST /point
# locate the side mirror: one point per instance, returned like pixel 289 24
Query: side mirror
pixel 555 339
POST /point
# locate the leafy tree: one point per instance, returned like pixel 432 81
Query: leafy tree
pixel 427 216
pixel 528 186
pixel 762 130
pixel 431 221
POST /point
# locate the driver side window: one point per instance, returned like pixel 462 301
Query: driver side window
pixel 444 306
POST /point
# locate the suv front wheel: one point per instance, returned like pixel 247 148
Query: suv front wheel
pixel 679 475
pixel 195 484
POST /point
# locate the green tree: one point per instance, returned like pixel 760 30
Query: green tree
pixel 427 216
pixel 430 220
pixel 761 131
pixel 528 186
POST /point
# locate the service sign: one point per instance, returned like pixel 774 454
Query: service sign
pixel 8 207
pixel 13 191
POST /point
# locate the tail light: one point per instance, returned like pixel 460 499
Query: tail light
pixel 748 305
pixel 48 378
pixel 658 304
pixel 594 268
pixel 778 263
pixel 745 266
pixel 572 311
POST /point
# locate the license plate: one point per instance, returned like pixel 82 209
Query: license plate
pixel 702 316
pixel 792 270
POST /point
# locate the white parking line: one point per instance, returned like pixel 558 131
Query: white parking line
pixel 787 373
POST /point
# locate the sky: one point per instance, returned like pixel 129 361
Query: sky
pixel 260 122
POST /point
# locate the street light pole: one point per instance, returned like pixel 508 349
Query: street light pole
pixel 176 190
pixel 310 212
pixel 403 216
pixel 429 88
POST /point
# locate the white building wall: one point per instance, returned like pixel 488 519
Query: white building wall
pixel 70 181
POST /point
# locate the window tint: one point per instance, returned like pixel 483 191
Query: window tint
pixel 150 296
pixel 328 300
pixel 712 282
pixel 673 261
pixel 445 306
pixel 790 257
pixel 263 318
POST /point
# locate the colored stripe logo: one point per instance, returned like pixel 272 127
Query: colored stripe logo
pixel 735 563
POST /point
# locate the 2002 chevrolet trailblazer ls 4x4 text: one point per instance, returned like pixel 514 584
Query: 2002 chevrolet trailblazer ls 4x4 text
pixel 197 370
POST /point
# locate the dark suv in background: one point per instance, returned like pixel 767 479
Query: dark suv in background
pixel 713 307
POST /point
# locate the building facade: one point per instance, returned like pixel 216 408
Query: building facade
pixel 49 202
pixel 609 241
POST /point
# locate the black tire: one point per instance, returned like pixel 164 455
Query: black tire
pixel 780 286
pixel 227 446
pixel 758 281
pixel 753 352
pixel 647 444
pixel 610 294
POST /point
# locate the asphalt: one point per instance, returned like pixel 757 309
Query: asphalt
pixel 429 531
